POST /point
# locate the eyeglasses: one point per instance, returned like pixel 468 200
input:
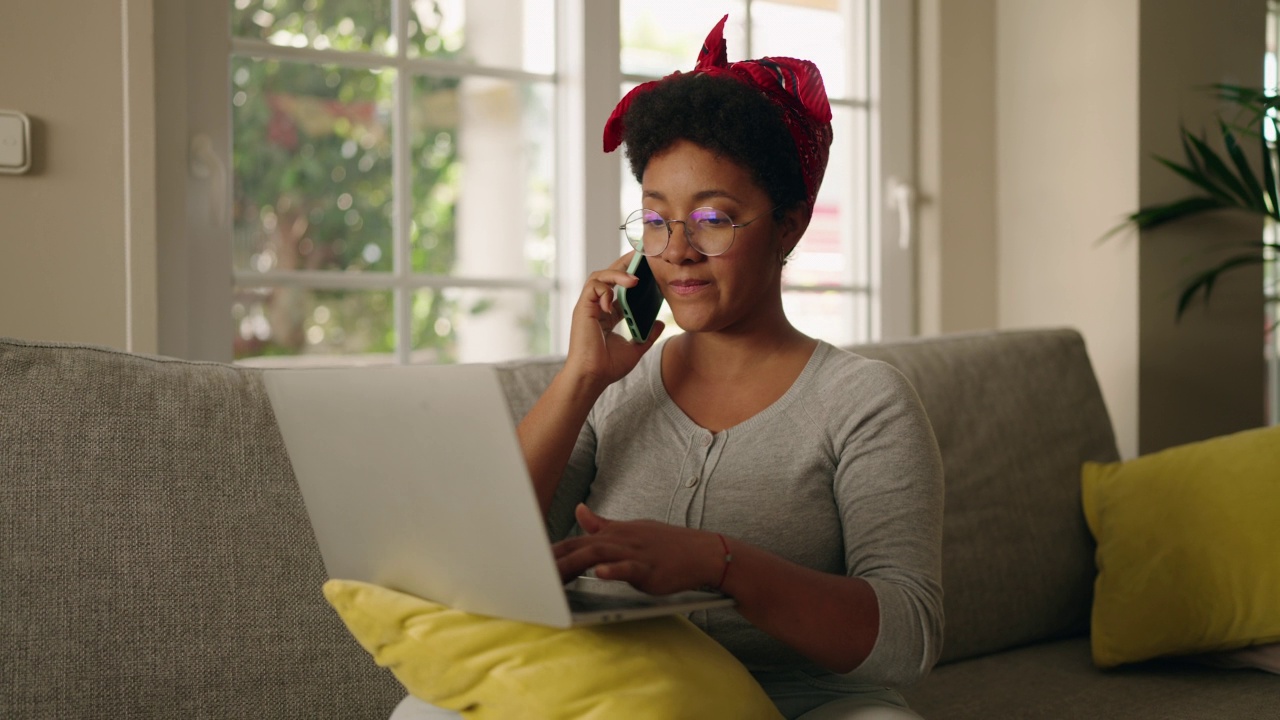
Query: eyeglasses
pixel 707 230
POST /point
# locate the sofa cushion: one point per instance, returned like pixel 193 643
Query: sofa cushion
pixel 155 554
pixel 1058 681
pixel 1188 548
pixel 492 669
pixel 1016 414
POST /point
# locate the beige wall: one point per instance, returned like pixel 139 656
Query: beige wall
pixel 73 260
pixel 1038 120
pixel 1204 376
pixel 957 176
pixel 1067 171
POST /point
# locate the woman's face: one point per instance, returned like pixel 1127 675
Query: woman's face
pixel 733 292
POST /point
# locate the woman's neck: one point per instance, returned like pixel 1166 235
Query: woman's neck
pixel 729 355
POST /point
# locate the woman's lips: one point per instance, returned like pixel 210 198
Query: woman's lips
pixel 687 287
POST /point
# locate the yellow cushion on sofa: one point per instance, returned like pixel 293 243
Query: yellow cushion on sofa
pixel 1188 548
pixel 485 668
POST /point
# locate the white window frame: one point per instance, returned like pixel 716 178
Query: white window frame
pixel 196 185
pixel 891 66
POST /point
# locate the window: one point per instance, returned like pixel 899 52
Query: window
pixel 393 179
pixel 421 180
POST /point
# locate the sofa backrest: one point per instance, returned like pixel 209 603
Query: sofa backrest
pixel 1016 413
pixel 157 560
pixel 155 556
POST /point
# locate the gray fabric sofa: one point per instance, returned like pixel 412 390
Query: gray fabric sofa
pixel 156 560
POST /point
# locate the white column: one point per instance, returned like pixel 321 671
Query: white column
pixel 491 207
pixel 590 181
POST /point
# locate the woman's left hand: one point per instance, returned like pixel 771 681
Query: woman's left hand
pixel 654 557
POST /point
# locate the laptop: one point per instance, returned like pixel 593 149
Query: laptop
pixel 414 480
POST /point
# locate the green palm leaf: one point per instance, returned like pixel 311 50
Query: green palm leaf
pixel 1205 181
pixel 1228 181
pixel 1217 169
pixel 1253 194
pixel 1247 97
pixel 1157 215
pixel 1205 280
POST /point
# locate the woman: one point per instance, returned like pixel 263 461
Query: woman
pixel 802 480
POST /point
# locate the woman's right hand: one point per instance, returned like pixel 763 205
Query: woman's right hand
pixel 597 354
pixel 597 358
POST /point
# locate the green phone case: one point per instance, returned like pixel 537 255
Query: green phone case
pixel 640 312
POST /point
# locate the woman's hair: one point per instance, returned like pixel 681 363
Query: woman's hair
pixel 723 115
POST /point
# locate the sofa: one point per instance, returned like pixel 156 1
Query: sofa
pixel 156 560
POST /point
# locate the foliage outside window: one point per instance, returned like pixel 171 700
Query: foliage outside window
pixel 394 167
pixel 320 91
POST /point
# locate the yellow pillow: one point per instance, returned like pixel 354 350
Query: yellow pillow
pixel 1188 548
pixel 485 668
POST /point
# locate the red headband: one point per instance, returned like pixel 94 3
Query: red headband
pixel 795 86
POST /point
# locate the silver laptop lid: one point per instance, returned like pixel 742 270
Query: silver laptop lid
pixel 414 480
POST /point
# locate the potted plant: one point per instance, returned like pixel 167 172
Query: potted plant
pixel 1227 182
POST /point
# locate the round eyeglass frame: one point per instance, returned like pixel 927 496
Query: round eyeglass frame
pixel 688 234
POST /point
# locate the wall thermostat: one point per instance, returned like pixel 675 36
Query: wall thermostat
pixel 15 142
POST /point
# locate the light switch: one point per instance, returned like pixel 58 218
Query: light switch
pixel 15 142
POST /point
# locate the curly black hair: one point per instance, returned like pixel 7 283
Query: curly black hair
pixel 725 116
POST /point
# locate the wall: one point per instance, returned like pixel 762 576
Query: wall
pixel 1205 375
pixel 1067 171
pixel 1038 123
pixel 955 90
pixel 77 250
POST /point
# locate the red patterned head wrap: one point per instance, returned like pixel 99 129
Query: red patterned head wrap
pixel 794 86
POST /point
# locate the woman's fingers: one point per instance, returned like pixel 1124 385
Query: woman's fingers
pixel 616 273
pixel 599 289
pixel 631 571
pixel 600 547
pixel 572 562
pixel 654 333
pixel 596 351
pixel 652 556
pixel 590 522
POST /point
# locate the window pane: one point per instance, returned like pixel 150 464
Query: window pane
pixel 480 325
pixel 838 318
pixel 520 36
pixel 321 24
pixel 312 161
pixel 303 321
pixel 661 36
pixel 833 250
pixel 483 165
pixel 814 31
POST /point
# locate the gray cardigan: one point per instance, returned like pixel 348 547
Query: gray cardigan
pixel 841 474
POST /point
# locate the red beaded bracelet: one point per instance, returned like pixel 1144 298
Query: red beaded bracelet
pixel 728 558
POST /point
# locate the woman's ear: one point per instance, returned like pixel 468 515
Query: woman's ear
pixel 792 226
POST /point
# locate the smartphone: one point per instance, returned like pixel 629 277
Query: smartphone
pixel 640 304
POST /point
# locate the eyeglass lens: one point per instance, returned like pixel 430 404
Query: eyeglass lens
pixel 708 230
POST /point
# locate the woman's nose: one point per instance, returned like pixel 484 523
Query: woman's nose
pixel 678 248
